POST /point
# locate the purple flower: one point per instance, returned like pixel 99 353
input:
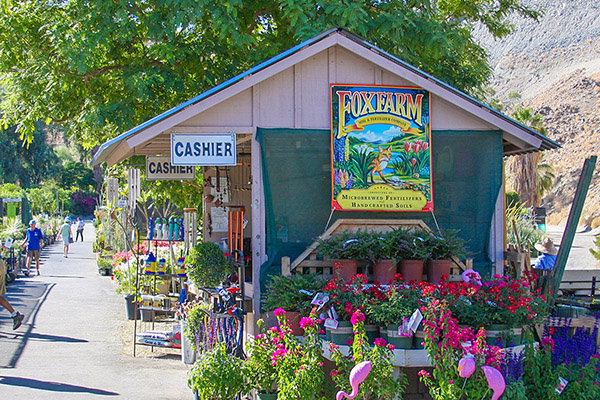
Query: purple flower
pixel 278 312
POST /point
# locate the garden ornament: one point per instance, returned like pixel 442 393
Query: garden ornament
pixel 471 276
pixel 466 366
pixel 358 374
pixel 495 381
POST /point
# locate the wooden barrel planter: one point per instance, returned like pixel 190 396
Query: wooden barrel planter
pixel 393 337
pixel 342 333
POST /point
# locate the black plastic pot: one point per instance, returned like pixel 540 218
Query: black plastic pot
pixel 130 307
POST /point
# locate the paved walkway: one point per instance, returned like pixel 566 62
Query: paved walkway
pixel 70 344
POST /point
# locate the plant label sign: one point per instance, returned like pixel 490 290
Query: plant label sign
pixel 331 323
pixel 380 148
pixel 561 385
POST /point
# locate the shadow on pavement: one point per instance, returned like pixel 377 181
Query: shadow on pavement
pixel 53 338
pixel 29 319
pixel 52 386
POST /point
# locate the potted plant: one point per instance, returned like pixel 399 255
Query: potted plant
pixel 443 246
pixel 216 375
pixel 399 303
pixel 292 293
pixel 206 264
pixel 345 298
pixel 259 371
pixel 382 255
pixel 345 250
pixel 382 382
pixel 299 365
pixel 411 249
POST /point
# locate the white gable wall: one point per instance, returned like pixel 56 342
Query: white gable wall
pixel 298 97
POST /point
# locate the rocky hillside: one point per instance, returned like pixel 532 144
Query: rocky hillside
pixel 554 65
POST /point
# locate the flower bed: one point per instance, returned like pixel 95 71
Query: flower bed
pixel 458 317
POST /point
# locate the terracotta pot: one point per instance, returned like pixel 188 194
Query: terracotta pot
pixel 437 268
pixel 384 271
pixel 412 270
pixel 293 319
pixel 345 269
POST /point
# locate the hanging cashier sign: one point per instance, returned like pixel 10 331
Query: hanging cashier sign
pixel 203 149
pixel 381 144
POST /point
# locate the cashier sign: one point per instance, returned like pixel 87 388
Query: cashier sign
pixel 203 149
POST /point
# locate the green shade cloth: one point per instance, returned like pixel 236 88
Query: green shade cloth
pixel 467 177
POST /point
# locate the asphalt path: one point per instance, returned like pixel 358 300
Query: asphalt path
pixel 70 345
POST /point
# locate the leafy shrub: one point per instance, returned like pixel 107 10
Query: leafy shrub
pixel 206 264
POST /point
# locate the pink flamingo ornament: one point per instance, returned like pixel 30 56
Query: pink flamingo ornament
pixel 466 366
pixel 358 374
pixel 495 381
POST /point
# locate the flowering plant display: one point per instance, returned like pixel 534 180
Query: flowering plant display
pixel 447 345
pixel 411 244
pixel 348 245
pixel 299 366
pixel 259 367
pixel 346 297
pixel 398 302
pixel 289 292
pixel 445 244
pixel 381 383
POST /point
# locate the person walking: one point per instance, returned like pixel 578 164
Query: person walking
pixel 65 233
pixel 80 225
pixel 16 316
pixel 34 239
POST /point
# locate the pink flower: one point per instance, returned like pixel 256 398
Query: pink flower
pixel 380 342
pixel 305 322
pixel 349 342
pixel 423 373
pixel 390 347
pixel 357 317
pixel 334 372
pixel 278 312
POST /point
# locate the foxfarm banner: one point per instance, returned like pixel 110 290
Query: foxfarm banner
pixel 381 148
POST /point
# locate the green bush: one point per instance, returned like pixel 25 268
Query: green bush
pixel 284 292
pixel 206 265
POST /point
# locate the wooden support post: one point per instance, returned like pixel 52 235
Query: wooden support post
pixel 286 269
pixel 574 215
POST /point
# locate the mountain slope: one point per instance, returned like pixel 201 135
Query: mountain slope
pixel 554 64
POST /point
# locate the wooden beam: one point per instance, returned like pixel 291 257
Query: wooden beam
pixel 572 222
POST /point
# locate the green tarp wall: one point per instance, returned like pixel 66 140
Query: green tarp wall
pixel 467 177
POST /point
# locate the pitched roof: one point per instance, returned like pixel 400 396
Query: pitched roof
pixel 537 140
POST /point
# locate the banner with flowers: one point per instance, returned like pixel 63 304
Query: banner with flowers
pixel 381 148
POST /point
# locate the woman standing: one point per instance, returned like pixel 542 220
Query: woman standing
pixel 65 232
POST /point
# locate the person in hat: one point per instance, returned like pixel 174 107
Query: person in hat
pixel 34 239
pixel 65 233
pixel 547 257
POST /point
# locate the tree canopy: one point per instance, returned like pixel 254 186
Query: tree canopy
pixel 102 67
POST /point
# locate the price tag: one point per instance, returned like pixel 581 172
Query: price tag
pixel 331 323
pixel 562 384
pixel 415 320
pixel 8 243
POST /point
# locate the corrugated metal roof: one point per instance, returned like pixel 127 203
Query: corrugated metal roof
pixel 106 148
